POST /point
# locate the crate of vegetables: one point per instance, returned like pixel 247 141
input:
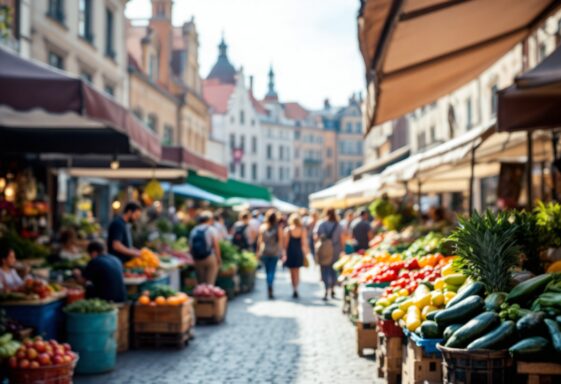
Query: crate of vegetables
pixel 210 303
pixel 162 310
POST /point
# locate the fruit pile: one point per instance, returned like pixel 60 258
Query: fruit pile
pixel 147 272
pixel 35 353
pixel 161 295
pixel 208 291
pixel 147 259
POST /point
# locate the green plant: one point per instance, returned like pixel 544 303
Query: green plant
pixel 548 220
pixel 89 306
pixel 393 222
pixel 381 208
pixel 229 253
pixel 488 249
pixel 529 236
pixel 248 262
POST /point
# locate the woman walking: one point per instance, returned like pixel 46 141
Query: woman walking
pixel 296 248
pixel 329 234
pixel 269 247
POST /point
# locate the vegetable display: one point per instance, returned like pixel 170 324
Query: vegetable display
pixel 89 306
pixel 162 295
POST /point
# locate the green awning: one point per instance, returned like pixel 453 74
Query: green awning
pixel 229 188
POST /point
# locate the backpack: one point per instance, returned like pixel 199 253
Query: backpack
pixel 200 249
pixel 239 239
pixel 270 243
pixel 324 248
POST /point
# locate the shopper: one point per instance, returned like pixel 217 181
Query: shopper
pixel 269 247
pixel 119 237
pixel 254 225
pixel 220 226
pixel 103 276
pixel 241 232
pixel 70 250
pixel 296 249
pixel 205 249
pixel 362 231
pixel 346 223
pixel 10 280
pixel 310 224
pixel 329 238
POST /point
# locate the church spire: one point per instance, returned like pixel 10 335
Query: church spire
pixel 271 93
pixel 223 70
pixel 222 48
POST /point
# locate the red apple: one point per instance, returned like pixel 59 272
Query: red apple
pixel 58 359
pixel 13 362
pixel 28 342
pixel 21 354
pixel 67 358
pixel 49 350
pixel 24 364
pixel 32 353
pixel 44 359
pixel 59 350
pixel 40 346
pixel 67 347
pixel 34 365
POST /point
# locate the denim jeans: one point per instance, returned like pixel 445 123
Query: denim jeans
pixel 270 263
pixel 328 276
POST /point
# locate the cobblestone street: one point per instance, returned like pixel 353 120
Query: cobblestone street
pixel 262 341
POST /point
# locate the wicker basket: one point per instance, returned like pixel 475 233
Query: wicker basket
pixel 461 366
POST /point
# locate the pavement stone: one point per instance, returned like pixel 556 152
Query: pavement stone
pixel 281 341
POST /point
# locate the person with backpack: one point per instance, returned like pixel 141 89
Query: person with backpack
pixel 240 232
pixel 269 248
pixel 329 237
pixel 205 249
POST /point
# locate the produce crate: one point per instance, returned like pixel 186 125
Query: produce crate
pixel 228 284
pixel 539 373
pixel 389 328
pixel 460 366
pixel 158 340
pixel 211 309
pixel 420 367
pixel 122 335
pixel 389 358
pixel 366 337
pixel 162 319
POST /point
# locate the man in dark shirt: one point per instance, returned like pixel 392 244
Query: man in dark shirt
pixel 119 238
pixel 362 231
pixel 104 273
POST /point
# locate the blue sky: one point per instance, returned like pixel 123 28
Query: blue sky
pixel 312 44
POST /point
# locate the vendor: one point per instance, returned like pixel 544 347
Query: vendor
pixel 119 238
pixel 103 275
pixel 70 250
pixel 9 278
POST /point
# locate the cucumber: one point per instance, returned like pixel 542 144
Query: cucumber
pixel 430 330
pixel 558 319
pixel 529 288
pixel 455 279
pixel 529 346
pixel 494 300
pixel 530 324
pixel 555 334
pixel 495 338
pixel 475 288
pixel 431 315
pixel 387 313
pixel 449 330
pixel 461 312
pixel 473 329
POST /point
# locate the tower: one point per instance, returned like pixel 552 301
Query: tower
pixel 223 70
pixel 160 23
pixel 271 92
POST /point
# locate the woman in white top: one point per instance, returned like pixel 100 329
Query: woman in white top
pixel 9 278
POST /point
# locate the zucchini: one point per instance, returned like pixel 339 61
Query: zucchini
pixel 529 288
pixel 449 330
pixel 461 312
pixel 555 334
pixel 495 338
pixel 431 315
pixel 558 319
pixel 475 288
pixel 529 346
pixel 494 300
pixel 430 330
pixel 530 324
pixel 473 329
pixel 387 313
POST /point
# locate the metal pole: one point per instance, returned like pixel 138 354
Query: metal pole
pixel 471 180
pixel 529 166
pixel 542 180
pixel 554 143
pixel 419 194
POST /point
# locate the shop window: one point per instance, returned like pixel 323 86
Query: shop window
pixel 85 20
pixel 152 122
pixel 56 60
pixel 109 34
pixel 56 10
pixel 168 135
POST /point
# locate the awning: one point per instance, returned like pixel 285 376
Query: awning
pixel 192 192
pixel 228 188
pixel 381 164
pixel 129 173
pixel 534 100
pixel 189 160
pixel 46 110
pixel 347 193
pixel 416 51
pixel 284 206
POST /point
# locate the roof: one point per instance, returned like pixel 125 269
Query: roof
pixel 217 95
pixel 295 111
pixel 223 70
pixel 257 105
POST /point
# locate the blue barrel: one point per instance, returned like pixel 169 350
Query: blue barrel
pixel 92 335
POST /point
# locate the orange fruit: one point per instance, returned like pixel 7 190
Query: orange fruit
pixel 172 300
pixel 160 300
pixel 144 300
pixel 182 297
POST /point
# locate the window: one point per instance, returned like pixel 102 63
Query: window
pixel 232 167
pixel 109 47
pixel 358 128
pixel 56 10
pixel 269 152
pixel 269 172
pixel 281 152
pixel 329 152
pixel 469 117
pixel 109 89
pixel 254 171
pixel 494 91
pixel 328 171
pixel 232 120
pixel 349 127
pixel 232 141
pixel 253 144
pixel 87 76
pixel 242 117
pixel 432 134
pixel 56 60
pixel 421 140
pixel 160 11
pixel 138 113
pixel 542 52
pixel 296 153
pixel 242 170
pixel 153 68
pixel 168 135
pixel 281 173
pixel 85 20
pixel 297 135
pixel 242 142
pixel 152 122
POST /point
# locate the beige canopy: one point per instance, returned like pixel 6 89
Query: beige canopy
pixel 416 51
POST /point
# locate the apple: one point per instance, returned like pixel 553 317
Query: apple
pixel 58 359
pixel 24 364
pixel 67 347
pixel 67 358
pixel 34 365
pixel 59 350
pixel 21 354
pixel 13 362
pixel 44 359
pixel 28 342
pixel 49 350
pixel 32 353
pixel 40 346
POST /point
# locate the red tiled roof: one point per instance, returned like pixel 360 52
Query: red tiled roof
pixel 295 111
pixel 259 107
pixel 217 94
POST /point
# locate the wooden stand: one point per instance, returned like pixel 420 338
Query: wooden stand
pixel 211 310
pixel 353 313
pixel 162 325
pixel 389 358
pixel 540 373
pixel 419 367
pixel 159 340
pixel 123 329
pixel 366 337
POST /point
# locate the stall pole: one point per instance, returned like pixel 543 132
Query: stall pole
pixel 419 194
pixel 542 181
pixel 471 180
pixel 554 143
pixel 529 166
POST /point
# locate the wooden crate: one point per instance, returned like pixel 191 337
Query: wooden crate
pixel 353 313
pixel 211 309
pixel 158 340
pixel 123 328
pixel 162 319
pixel 366 337
pixel 389 358
pixel 540 373
pixel 419 367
